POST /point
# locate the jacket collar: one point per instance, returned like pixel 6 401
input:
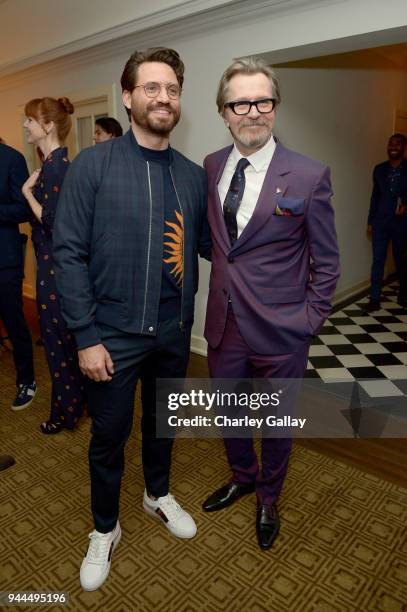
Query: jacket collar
pixel 275 184
pixel 131 146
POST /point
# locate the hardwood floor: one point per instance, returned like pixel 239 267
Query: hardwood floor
pixel 386 459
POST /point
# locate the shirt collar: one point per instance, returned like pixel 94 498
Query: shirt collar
pixel 258 160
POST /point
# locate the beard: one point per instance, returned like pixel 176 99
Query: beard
pixel 254 140
pixel 155 124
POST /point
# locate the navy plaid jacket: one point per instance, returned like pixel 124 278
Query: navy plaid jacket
pixel 108 238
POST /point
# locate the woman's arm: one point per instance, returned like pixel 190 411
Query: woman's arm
pixel 27 190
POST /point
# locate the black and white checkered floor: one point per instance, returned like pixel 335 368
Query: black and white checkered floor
pixel 370 348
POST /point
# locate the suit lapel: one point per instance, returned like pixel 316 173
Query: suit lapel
pixel 275 184
pixel 220 225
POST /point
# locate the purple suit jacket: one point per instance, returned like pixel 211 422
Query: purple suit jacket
pixel 282 271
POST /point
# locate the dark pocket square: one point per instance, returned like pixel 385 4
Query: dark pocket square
pixel 289 207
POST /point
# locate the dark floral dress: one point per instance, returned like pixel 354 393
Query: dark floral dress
pixel 60 349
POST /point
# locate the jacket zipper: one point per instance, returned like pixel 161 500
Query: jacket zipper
pixel 149 246
pixel 181 323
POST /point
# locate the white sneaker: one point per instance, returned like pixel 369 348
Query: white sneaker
pixel 166 509
pixel 96 565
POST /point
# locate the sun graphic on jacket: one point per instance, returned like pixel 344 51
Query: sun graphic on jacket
pixel 176 248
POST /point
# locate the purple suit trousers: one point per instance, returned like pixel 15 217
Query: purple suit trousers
pixel 270 292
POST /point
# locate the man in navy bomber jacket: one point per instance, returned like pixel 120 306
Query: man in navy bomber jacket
pixel 130 224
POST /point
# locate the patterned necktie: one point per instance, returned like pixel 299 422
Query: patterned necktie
pixel 233 199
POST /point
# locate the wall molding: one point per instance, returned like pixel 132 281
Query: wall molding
pixel 28 291
pixel 347 294
pixel 199 346
pixel 189 18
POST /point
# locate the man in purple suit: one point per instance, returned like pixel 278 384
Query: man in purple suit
pixel 275 265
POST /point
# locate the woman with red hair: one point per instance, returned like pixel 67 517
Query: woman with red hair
pixel 47 125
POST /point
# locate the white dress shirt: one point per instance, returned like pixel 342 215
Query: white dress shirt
pixel 254 175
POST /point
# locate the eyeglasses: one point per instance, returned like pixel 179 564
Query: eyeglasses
pixel 152 90
pixel 243 107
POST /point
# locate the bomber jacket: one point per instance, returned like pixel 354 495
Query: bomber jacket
pixel 108 238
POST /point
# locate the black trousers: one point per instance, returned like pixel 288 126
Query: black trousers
pixel 12 315
pixel 382 234
pixel 111 406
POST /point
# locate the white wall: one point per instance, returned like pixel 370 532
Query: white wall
pixel 39 26
pixel 322 124
pixel 344 118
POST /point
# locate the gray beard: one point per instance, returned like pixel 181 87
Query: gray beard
pixel 253 141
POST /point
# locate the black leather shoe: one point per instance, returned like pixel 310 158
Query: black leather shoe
pixel 372 306
pixel 6 461
pixel 267 525
pixel 225 496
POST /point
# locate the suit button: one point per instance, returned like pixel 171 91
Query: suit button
pixel 150 329
pixel 230 259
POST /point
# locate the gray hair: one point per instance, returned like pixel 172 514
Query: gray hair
pixel 246 65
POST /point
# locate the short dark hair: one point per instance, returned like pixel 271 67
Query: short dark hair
pixel 110 125
pixel 400 137
pixel 154 54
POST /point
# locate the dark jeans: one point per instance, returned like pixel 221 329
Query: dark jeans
pixel 12 315
pixel 111 406
pixel 382 233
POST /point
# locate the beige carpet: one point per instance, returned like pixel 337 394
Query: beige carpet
pixel 343 543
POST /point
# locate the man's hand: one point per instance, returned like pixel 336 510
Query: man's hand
pixel 369 230
pixel 96 363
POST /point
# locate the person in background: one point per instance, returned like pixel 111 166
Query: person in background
pixel 387 220
pixel 14 170
pixel 7 461
pixel 47 125
pixel 106 128
pixel 14 210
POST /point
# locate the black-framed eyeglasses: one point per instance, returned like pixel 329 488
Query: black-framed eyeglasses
pixel 243 107
pixel 153 89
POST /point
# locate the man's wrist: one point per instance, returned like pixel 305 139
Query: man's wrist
pixel 87 337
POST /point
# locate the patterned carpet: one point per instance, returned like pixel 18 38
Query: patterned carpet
pixel 342 547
